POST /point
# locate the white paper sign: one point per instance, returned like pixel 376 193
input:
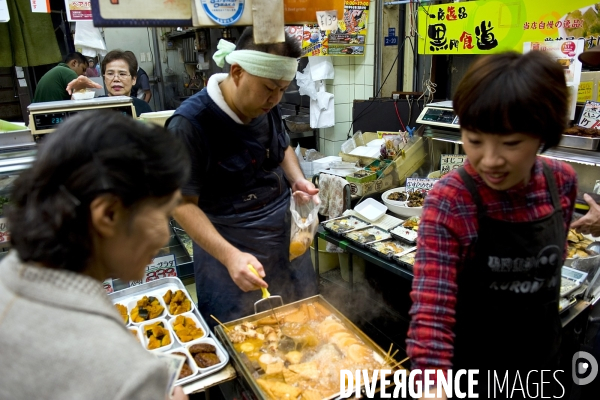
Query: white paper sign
pixel 422 184
pixel 4 17
pixel 40 6
pixel 327 20
pixel 78 10
pixel 4 234
pixel 590 116
pixel 161 267
pixel 450 162
pixel 108 286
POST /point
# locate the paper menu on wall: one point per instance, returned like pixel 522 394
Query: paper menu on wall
pixel 590 116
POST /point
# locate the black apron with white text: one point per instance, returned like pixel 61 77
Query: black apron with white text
pixel 507 303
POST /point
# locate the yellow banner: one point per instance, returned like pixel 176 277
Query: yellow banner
pixel 494 26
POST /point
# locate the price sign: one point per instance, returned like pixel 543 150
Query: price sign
pixel 108 286
pixel 450 162
pixel 590 117
pixel 161 267
pixel 421 184
pixel 4 234
pixel 327 20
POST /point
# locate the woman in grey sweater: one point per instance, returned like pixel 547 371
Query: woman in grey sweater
pixel 95 204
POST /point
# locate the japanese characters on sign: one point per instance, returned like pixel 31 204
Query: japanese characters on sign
pixel 349 39
pixel 451 162
pixel 421 184
pixel 40 6
pixel 480 27
pixel 79 10
pixel 590 117
pixel 161 267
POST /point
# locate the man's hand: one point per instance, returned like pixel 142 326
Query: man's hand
pixel 238 269
pixel 590 222
pixel 82 82
pixel 178 394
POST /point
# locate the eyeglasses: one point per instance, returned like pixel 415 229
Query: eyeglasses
pixel 111 75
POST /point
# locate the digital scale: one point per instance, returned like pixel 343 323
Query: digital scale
pixel 571 280
pixel 439 114
pixel 45 117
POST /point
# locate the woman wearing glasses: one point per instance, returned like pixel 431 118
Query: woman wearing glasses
pixel 119 70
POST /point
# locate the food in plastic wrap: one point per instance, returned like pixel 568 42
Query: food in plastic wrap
pixel 367 235
pixel 577 245
pixel 388 247
pixel 305 221
pixel 345 224
pixel 123 311
pixel 409 258
pixel 186 330
pixel 407 234
pixel 147 308
pixel 177 302
pixel 157 334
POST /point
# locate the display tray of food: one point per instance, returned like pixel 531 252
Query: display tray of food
pixel 299 352
pixel 339 226
pixel 407 259
pixel 387 248
pixel 407 231
pixel 363 237
pixel 163 318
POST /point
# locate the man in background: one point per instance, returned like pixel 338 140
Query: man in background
pixel 141 89
pixel 53 85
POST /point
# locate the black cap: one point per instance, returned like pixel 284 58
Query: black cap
pixel 591 57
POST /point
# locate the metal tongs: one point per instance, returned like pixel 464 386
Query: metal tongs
pixel 265 296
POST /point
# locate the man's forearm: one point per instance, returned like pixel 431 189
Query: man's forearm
pixel 147 96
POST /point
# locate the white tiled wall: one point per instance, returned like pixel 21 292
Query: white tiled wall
pixel 353 80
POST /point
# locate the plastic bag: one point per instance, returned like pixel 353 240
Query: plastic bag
pixel 305 221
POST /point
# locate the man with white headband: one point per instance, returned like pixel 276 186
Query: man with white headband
pixel 236 204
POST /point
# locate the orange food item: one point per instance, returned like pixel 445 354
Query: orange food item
pixel 123 311
pixel 186 330
pixel 177 302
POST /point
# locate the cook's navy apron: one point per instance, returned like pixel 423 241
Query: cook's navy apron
pixel 265 233
pixel 507 302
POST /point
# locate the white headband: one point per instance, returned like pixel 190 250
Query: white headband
pixel 257 63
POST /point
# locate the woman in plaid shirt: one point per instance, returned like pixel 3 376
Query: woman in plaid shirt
pixel 492 237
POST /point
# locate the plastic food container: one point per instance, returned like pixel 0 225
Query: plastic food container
pixel 339 226
pixel 198 325
pixel 133 303
pixel 167 307
pixel 387 248
pixel 406 234
pixel 367 235
pixel 189 361
pixel 147 340
pixel 219 353
pixel 407 259
pixel 371 209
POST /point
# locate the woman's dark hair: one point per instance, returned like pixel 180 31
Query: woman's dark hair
pixel 513 93
pixel 289 48
pixel 126 56
pixel 90 154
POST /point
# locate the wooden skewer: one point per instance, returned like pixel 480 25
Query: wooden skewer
pixel 393 355
pixel 220 323
pixel 387 356
pixel 399 363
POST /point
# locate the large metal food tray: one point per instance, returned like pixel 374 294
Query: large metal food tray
pixel 579 142
pixel 242 368
pixel 157 289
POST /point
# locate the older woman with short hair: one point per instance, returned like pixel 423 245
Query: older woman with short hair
pixel 95 204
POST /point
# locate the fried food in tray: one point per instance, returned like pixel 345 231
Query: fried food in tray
pixel 412 223
pixel 577 245
pixel 397 196
pixel 123 311
pixel 177 302
pixel 368 235
pixel 158 335
pixel 416 199
pixel 186 329
pixel 146 308
pixel 344 224
pixel 204 354
pixel 305 358
pixel 186 370
pixel 581 131
pixel 387 248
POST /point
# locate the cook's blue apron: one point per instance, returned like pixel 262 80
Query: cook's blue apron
pixel 265 233
pixel 507 303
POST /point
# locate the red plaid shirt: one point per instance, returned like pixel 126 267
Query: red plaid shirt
pixel 447 232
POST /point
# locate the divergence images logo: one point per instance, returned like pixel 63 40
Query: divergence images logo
pixel 582 364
